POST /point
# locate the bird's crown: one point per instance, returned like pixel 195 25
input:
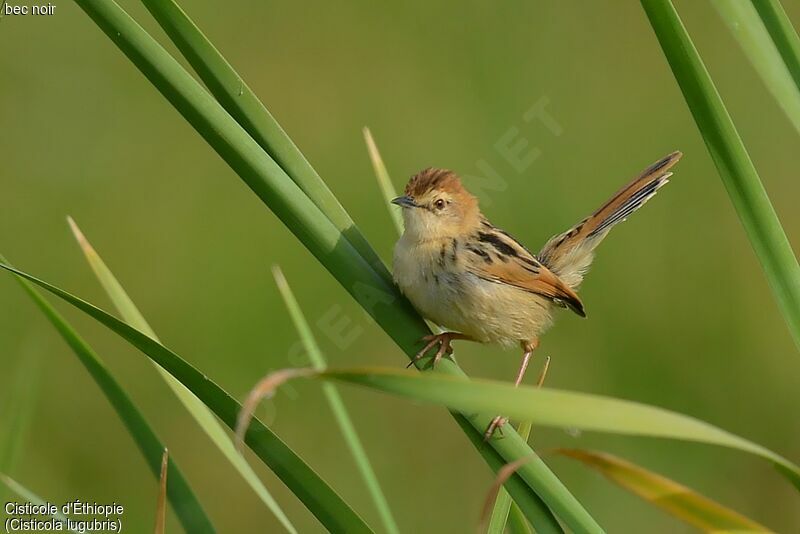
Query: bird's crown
pixel 434 179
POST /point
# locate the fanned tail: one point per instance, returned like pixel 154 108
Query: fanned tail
pixel 570 254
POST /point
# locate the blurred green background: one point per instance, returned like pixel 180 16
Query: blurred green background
pixel 680 315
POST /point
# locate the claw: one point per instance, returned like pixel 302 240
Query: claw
pixel 431 341
pixel 445 348
pixel 496 425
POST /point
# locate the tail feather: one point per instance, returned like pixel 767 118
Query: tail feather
pixel 570 254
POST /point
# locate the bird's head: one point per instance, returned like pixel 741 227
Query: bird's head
pixel 436 205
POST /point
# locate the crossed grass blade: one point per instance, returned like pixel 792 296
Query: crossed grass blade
pixel 337 406
pixel 321 500
pixel 186 505
pixel 202 415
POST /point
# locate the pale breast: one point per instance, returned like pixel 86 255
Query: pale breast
pixel 424 273
pixel 434 278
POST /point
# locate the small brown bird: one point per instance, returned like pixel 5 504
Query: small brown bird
pixel 463 273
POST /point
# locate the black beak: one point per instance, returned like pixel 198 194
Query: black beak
pixel 405 202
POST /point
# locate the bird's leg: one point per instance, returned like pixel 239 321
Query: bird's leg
pixel 443 340
pixel 527 347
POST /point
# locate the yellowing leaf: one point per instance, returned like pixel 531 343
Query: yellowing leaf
pixel 675 499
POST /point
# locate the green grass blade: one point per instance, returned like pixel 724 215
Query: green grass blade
pixel 783 34
pixel 528 501
pixel 747 27
pixel 368 287
pixel 337 406
pixel 503 504
pixel 384 182
pixel 31 497
pixel 119 297
pixel 318 497
pixel 517 523
pixel 500 511
pixel 131 315
pixel 244 106
pixel 184 502
pixel 19 402
pixel 556 408
pixel 268 180
pixel 733 163
pixel 161 502
pixel 675 499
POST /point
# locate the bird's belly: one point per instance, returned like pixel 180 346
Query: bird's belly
pixel 484 310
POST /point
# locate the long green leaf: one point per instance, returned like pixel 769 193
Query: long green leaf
pixel 318 497
pixel 500 511
pixel 676 499
pixel 161 501
pixel 337 406
pixel 187 507
pixel 517 523
pixel 749 30
pixel 244 106
pixel 503 505
pixel 783 34
pixel 557 408
pixel 377 295
pixel 528 501
pixel 733 163
pixel 268 180
pixel 131 314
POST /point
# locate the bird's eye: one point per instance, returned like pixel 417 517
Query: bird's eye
pixel 439 203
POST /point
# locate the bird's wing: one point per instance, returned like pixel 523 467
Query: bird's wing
pixel 497 257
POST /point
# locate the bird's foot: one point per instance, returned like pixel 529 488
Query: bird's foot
pixel 496 425
pixel 443 340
